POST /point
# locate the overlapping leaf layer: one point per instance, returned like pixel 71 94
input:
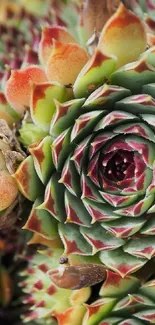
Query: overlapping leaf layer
pixel 97 168
pixel 92 176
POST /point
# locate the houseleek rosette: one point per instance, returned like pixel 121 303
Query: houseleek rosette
pixel 94 172
pixel 92 176
pixel 98 175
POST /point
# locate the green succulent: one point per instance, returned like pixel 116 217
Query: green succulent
pixel 122 301
pixel 92 177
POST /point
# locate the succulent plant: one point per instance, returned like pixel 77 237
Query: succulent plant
pixel 49 301
pixel 20 30
pixel 92 176
pixel 122 301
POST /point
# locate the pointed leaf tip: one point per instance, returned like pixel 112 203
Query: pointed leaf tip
pixel 123 36
pixel 58 33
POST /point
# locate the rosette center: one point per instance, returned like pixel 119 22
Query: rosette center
pixel 118 165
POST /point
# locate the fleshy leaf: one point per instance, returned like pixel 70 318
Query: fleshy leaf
pixel 61 148
pixel 28 182
pixel 131 301
pixel 124 228
pixel 150 56
pixel 131 322
pixel 94 73
pixel 72 315
pixel 142 247
pixel 116 260
pixel 115 117
pixel 99 239
pixel 30 133
pixel 137 209
pixel 146 315
pixel 114 286
pixel 149 89
pixel 54 199
pixel 89 190
pixel 134 75
pixel 149 227
pixel 40 222
pixel 136 128
pixel 42 155
pixel 73 241
pixel 59 33
pixel 138 103
pixel 111 321
pixel 98 310
pixel 118 200
pixel 148 289
pixel 107 96
pixel 118 36
pixel 65 115
pixel 8 190
pixel 75 210
pixel 65 62
pixel 18 93
pixel 70 178
pixel 85 124
pixel 99 211
pixel 43 102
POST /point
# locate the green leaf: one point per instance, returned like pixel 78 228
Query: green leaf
pixel 121 262
pixel 105 97
pixel 133 76
pixel 65 115
pixel 76 211
pixel 54 199
pixel 43 102
pixel 116 287
pixel 73 241
pixel 99 239
pixel 42 155
pixel 94 73
pixel 98 311
pixel 41 222
pixel 30 133
pixel 141 247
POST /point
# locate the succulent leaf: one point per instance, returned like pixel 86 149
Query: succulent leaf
pixel 17 93
pixel 118 36
pixel 44 96
pixel 65 62
pixel 94 73
pixel 49 34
